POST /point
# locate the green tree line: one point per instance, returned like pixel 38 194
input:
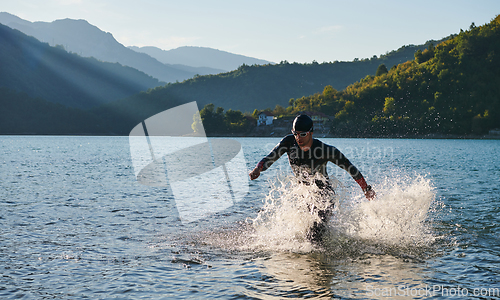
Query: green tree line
pixel 215 120
pixel 451 88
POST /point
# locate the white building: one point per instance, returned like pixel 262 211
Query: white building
pixel 265 118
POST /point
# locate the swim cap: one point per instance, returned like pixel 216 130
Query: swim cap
pixel 303 123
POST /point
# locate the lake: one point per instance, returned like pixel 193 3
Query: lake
pixel 75 223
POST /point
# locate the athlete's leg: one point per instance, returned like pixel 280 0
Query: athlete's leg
pixel 316 232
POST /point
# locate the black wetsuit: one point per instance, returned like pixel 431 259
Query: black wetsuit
pixel 311 162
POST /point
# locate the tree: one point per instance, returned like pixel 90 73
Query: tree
pixel 233 116
pixel 389 106
pixel 279 110
pixel 197 125
pixel 382 69
pixel 329 91
pixel 213 120
pixel 421 57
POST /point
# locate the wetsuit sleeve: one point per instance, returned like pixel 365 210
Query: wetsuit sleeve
pixel 338 158
pixel 281 148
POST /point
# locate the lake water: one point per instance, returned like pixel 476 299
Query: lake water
pixel 75 223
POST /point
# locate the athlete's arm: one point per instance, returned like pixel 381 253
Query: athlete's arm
pixel 255 173
pixel 367 189
pixel 340 160
pixel 280 149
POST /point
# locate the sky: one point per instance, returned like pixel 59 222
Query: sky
pixel 295 31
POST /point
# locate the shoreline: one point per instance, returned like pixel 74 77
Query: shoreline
pixel 415 137
pixel 281 131
pixel 319 133
pixel 430 136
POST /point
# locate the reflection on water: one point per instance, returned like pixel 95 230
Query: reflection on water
pixel 322 275
pixel 299 274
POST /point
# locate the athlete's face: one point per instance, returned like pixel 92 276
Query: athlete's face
pixel 303 138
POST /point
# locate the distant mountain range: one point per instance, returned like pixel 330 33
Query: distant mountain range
pixel 248 88
pixel 264 86
pixel 114 96
pixel 86 40
pixel 200 57
pixel 52 74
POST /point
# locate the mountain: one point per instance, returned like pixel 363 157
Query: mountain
pixel 265 86
pixel 248 87
pixel 198 70
pixel 446 86
pixel 82 38
pixel 200 57
pixel 51 73
pixel 450 88
pixel 22 114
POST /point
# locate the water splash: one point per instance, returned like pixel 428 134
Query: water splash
pixel 290 210
pixel 397 218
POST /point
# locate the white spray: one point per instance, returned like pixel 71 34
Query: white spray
pixel 396 218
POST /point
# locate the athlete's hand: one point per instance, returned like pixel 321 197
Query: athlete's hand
pixel 369 192
pixel 255 173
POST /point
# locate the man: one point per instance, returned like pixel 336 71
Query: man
pixel 308 158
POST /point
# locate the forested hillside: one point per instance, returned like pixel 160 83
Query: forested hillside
pixel 265 86
pixel 52 74
pixel 22 114
pixel 452 88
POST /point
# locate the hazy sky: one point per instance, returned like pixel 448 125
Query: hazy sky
pixel 300 31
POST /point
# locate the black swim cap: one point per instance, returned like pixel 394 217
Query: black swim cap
pixel 303 123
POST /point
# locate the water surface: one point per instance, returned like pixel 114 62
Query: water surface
pixel 75 223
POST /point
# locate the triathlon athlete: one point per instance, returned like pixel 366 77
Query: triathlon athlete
pixel 308 157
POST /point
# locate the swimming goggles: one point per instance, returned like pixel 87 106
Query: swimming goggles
pixel 301 134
